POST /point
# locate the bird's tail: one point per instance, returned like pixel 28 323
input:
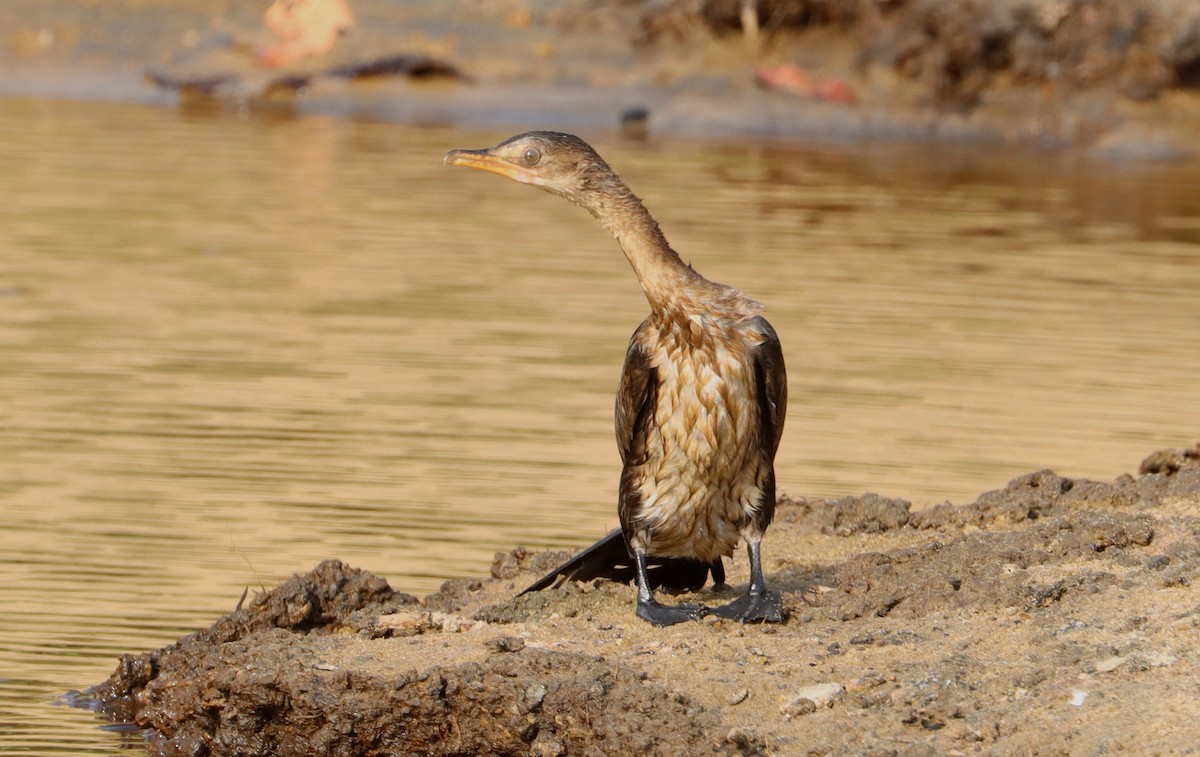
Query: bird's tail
pixel 610 559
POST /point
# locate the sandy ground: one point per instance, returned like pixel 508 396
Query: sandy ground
pixel 1053 616
pixel 1115 77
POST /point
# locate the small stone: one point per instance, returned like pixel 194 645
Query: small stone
pixel 796 707
pixel 1159 659
pixel 545 745
pixel 747 740
pixel 455 623
pixel 817 695
pixel 506 644
pixel 535 694
pixel 1158 562
pixel 868 681
pixel 1110 664
pixel 739 696
pixel 405 621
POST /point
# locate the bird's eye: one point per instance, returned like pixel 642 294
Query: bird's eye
pixel 531 156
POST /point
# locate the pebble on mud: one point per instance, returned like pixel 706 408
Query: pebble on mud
pixel 809 698
pixel 1159 659
pixel 747 740
pixel 546 746
pixel 506 644
pixel 411 623
pixel 405 621
pixel 1109 664
pixel 869 681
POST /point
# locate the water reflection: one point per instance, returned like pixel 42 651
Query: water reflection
pixel 232 348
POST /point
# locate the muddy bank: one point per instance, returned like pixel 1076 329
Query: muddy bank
pixel 1051 616
pixel 1115 77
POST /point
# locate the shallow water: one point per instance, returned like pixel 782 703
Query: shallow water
pixel 231 347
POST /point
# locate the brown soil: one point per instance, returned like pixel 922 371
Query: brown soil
pixel 1053 616
pixel 1120 77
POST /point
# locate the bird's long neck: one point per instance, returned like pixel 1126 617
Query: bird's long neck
pixel 665 279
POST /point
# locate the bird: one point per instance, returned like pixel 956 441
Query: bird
pixel 700 403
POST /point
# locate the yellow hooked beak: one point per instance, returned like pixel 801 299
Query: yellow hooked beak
pixel 484 160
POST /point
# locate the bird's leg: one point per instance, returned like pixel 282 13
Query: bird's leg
pixel 717 568
pixel 649 609
pixel 758 604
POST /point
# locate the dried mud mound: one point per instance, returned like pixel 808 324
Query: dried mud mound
pixel 312 604
pixel 259 682
pixel 1050 616
pixel 512 704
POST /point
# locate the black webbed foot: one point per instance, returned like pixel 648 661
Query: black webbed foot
pixel 649 608
pixel 754 607
pixel 668 615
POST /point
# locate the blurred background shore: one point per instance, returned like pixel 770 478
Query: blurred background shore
pixel 1111 76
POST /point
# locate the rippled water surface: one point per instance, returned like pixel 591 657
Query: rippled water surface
pixel 232 347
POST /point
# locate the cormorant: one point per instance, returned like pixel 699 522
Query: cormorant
pixel 700 406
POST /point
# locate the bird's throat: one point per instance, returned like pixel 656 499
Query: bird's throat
pixel 659 269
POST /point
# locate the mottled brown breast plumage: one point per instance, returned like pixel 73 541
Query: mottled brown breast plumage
pixel 692 418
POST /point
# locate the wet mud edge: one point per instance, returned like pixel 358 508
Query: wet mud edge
pixel 912 632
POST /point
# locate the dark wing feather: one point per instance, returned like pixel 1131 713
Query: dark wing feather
pixel 608 558
pixel 772 387
pixel 634 396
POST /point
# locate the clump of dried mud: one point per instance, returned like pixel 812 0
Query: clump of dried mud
pixel 1051 616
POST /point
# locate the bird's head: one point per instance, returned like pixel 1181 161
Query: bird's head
pixel 562 164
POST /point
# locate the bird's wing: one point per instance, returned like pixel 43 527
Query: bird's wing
pixel 609 559
pixel 634 398
pixel 772 387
